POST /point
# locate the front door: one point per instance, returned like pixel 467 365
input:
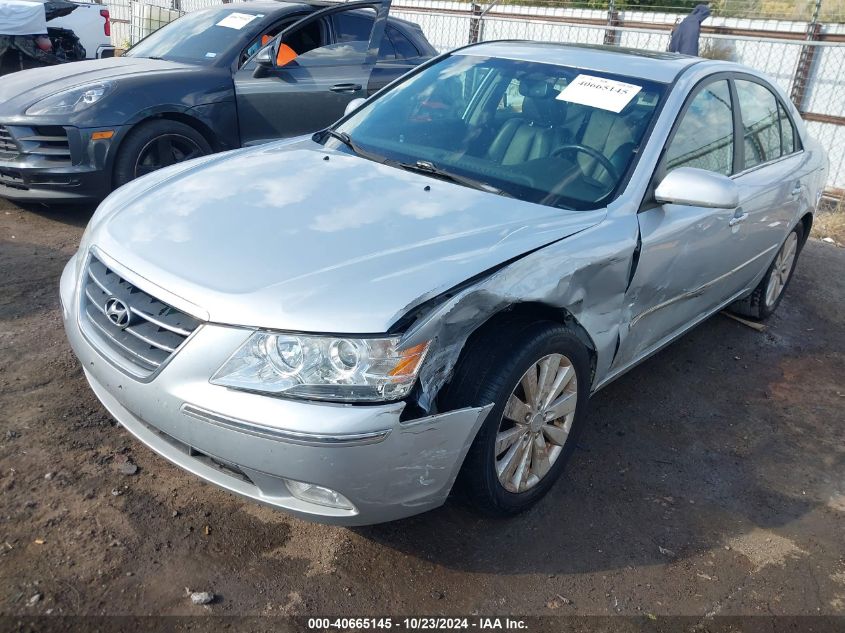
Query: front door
pixel 687 253
pixel 303 80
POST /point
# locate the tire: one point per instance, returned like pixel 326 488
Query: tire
pixel 491 369
pixel 761 303
pixel 139 151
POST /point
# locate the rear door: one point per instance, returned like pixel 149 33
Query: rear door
pixel 280 98
pixel 772 176
pixel 397 55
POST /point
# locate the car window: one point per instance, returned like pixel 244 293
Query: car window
pixel 562 141
pixel 704 138
pixel 341 54
pixel 307 38
pixel 787 131
pixel 352 31
pixel 386 50
pixel 761 123
pixel 353 26
pixel 264 38
pixel 405 49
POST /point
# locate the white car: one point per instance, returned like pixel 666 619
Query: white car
pixel 91 23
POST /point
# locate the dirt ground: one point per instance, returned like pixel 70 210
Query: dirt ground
pixel 710 480
pixel 830 226
pixel 829 223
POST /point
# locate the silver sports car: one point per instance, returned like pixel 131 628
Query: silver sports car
pixel 425 295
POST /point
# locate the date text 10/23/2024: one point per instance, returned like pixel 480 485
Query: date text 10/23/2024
pixel 417 624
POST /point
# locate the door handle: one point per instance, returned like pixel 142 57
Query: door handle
pixel 737 219
pixel 345 88
pixel 796 190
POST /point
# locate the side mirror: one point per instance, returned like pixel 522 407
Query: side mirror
pixel 695 187
pixel 263 62
pixel 354 105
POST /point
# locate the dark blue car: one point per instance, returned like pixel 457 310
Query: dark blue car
pixel 212 80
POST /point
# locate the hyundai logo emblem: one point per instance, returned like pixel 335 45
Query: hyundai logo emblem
pixel 118 312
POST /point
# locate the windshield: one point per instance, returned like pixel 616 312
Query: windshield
pixel 197 37
pixel 547 134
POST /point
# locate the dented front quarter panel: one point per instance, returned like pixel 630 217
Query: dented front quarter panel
pixel 584 276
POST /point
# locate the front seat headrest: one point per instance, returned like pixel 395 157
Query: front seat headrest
pixel 536 88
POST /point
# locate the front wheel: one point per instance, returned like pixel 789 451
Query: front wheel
pixel 766 297
pixel 156 144
pixel 537 375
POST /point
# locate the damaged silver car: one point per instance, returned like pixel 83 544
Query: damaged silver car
pixel 425 295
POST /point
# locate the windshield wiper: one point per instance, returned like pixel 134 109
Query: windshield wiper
pixel 427 167
pixel 344 138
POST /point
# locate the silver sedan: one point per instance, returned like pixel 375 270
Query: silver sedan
pixel 424 296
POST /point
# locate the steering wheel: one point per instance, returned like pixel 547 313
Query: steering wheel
pixel 594 153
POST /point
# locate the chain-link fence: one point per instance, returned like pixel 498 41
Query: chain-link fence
pixel 799 44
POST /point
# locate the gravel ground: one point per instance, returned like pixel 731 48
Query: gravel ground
pixel 710 480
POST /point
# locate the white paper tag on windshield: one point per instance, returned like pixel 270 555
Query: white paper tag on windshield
pixel 237 21
pixel 599 92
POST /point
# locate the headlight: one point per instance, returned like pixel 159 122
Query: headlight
pixel 323 367
pixel 73 100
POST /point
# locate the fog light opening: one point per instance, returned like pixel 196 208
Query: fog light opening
pixel 313 493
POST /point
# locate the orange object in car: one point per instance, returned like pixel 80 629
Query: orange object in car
pixel 285 55
pixel 265 39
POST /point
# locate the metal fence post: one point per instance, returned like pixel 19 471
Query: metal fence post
pixel 475 23
pixel 611 36
pixel 805 59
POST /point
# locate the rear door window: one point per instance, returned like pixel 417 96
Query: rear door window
pixel 761 124
pixel 405 49
pixel 787 131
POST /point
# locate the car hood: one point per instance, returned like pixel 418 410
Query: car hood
pixel 297 237
pixel 20 90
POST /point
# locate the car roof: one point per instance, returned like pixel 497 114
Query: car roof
pixel 649 65
pixel 273 7
pixel 265 6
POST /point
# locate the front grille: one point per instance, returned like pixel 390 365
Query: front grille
pixel 8 146
pixel 154 331
pixel 49 143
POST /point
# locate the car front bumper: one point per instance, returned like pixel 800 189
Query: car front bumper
pixel 55 163
pixel 252 444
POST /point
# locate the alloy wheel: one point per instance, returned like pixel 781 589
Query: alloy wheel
pixel 782 269
pixel 166 150
pixel 536 423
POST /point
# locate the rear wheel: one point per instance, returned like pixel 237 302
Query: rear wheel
pixel 156 144
pixel 766 297
pixel 537 375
